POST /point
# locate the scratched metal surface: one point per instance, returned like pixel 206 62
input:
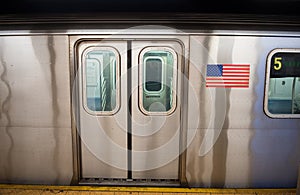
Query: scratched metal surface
pixel 35 122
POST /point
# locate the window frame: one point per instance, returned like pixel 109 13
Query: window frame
pixel 142 77
pixel 267 85
pixel 84 58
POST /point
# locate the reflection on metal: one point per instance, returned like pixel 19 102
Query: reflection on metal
pixel 4 115
pixel 55 106
pixel 35 133
pixel 220 148
pixel 49 53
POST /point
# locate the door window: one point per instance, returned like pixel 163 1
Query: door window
pixel 158 80
pixel 153 73
pixel 100 67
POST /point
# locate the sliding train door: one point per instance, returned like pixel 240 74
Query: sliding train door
pixel 129 109
pixel 156 87
pixel 102 109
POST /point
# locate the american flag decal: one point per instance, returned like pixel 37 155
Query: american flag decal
pixel 228 75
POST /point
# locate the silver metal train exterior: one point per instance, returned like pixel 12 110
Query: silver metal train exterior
pixel 134 106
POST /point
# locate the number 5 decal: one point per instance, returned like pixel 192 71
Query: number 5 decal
pixel 277 62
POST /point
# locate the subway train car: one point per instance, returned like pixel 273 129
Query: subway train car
pixel 186 100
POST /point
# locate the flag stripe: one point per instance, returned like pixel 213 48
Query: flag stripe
pixel 236 75
pixel 239 79
pixel 235 65
pixel 232 70
pixel 227 83
pixel 237 84
pixel 228 86
pixel 239 69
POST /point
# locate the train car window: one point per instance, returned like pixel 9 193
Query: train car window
pixel 158 73
pixel 100 83
pixel 153 73
pixel 282 97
